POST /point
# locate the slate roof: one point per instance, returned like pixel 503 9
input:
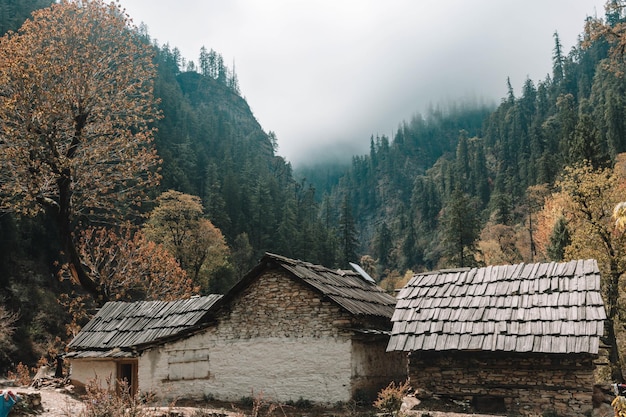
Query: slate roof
pixel 349 289
pixel 120 328
pixel 542 307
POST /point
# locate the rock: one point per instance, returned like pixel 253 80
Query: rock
pixel 604 410
pixel 423 394
pixel 602 394
pixel 409 403
pixel 29 403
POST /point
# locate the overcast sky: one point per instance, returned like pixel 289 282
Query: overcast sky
pixel 325 75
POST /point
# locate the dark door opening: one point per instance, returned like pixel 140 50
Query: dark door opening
pixel 127 377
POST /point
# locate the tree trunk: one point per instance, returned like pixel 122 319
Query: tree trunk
pixel 614 356
pixel 612 295
pixel 64 221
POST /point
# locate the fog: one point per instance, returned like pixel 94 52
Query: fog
pixel 325 75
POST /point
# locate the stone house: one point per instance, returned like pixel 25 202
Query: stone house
pixel 520 339
pixel 113 344
pixel 288 330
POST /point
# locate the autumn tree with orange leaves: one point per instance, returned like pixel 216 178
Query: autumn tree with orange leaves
pixel 76 108
pixel 586 198
pixel 177 222
pixel 126 266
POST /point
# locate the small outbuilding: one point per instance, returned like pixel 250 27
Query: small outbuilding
pixel 113 345
pixel 289 330
pixel 519 339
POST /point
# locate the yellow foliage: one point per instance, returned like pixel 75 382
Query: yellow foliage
pixel 178 224
pixel 553 209
pixel 390 398
pixel 21 375
pixel 587 198
pixel 502 244
pixel 619 405
pixel 619 215
pixel 394 281
pixel 128 266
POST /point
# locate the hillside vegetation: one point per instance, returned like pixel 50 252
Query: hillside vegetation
pixel 457 186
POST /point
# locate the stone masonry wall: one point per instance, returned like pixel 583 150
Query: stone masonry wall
pixel 277 306
pixel 277 337
pixel 528 384
pixel 373 368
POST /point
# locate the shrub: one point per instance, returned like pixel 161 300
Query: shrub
pixel 21 375
pixel 262 407
pixel 246 401
pixel 110 402
pixel 390 398
pixel 300 404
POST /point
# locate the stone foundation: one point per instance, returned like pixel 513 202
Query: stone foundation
pixel 526 384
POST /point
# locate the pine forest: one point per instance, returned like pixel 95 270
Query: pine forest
pixel 178 187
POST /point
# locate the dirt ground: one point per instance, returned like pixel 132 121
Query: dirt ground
pixel 58 402
pixel 55 402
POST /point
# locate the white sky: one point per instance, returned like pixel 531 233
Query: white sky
pixel 325 75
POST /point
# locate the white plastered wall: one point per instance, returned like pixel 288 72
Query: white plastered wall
pixel 279 369
pixel 85 370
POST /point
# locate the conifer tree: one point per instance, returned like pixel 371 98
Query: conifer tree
pixel 233 81
pixel 242 255
pixel 461 229
pixel 410 251
pixel 203 62
pixel 585 145
pixel 479 172
pixel 559 240
pixel 347 234
pixel 289 241
pixel 510 96
pixel 14 12
pixel 568 119
pixel 462 163
pixel 384 245
pixel 557 60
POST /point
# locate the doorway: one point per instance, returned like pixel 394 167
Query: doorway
pixel 127 377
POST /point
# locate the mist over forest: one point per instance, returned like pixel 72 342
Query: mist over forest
pixel 468 183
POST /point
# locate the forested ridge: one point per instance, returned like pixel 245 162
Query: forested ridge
pixel 459 185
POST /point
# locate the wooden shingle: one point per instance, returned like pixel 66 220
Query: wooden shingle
pixel 125 326
pixel 349 289
pixel 545 307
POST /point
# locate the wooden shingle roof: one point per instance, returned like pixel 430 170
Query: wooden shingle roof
pixel 349 289
pixel 121 327
pixel 542 307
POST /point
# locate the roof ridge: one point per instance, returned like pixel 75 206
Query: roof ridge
pixel 346 287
